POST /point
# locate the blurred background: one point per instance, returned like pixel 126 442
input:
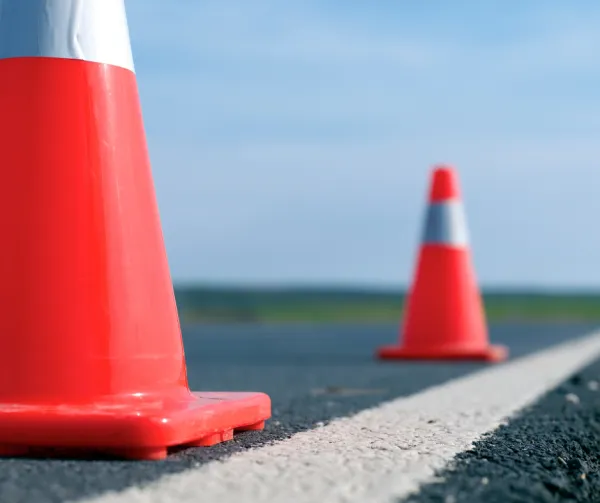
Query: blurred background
pixel 291 145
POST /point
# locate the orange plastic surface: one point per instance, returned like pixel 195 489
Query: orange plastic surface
pixel 444 314
pixel 130 426
pixel 489 354
pixel 444 185
pixel 90 345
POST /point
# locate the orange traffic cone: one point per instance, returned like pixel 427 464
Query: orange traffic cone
pixel 444 316
pixel 91 356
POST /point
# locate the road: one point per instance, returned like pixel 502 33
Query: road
pixel 315 375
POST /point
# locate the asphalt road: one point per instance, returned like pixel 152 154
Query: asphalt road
pixel 312 373
pixel 549 453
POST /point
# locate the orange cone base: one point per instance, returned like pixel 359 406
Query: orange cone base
pixel 142 429
pixel 489 353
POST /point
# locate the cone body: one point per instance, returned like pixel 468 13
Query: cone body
pixel 90 345
pixel 444 313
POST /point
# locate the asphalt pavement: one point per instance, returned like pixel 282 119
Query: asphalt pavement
pixel 548 454
pixel 312 373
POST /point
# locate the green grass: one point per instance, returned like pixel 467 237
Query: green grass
pixel 198 304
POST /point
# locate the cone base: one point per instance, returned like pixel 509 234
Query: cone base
pixel 136 429
pixel 488 353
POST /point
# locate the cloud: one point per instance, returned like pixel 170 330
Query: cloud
pixel 236 68
pixel 310 213
pixel 272 32
pixel 242 33
pixel 293 143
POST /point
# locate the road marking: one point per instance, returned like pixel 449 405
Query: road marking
pixel 380 454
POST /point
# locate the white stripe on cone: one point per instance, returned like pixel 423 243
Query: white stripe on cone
pixel 446 224
pixel 88 30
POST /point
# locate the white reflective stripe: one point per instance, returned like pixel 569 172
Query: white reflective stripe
pixel 446 224
pixel 89 30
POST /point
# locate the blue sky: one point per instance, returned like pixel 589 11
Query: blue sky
pixel 291 142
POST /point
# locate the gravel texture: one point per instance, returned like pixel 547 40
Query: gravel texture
pixel 550 453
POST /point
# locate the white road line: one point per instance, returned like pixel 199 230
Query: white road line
pixel 379 454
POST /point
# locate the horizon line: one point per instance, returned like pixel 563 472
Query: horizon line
pixel 371 288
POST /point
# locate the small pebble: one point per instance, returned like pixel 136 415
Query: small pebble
pixel 572 398
pixel 593 385
pixel 485 481
pixel 576 379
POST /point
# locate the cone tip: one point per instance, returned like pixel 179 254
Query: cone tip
pixel 444 184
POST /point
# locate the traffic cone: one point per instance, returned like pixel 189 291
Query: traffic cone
pixel 91 355
pixel 444 315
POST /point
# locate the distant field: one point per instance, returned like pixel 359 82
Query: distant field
pixel 347 306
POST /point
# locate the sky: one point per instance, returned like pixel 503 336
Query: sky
pixel 292 141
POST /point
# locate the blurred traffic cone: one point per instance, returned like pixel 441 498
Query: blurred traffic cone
pixel 91 355
pixel 444 316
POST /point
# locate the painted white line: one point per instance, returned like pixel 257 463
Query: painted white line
pixel 379 454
